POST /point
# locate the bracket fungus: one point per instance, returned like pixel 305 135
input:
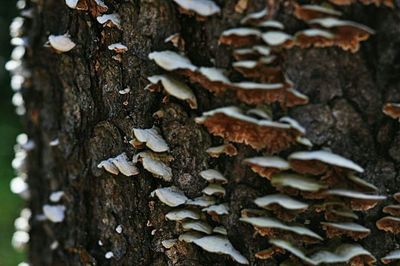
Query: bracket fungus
pixel 351 254
pixel 287 246
pixel 255 18
pixel 61 43
pixel 392 110
pixel 182 214
pixel 154 163
pixel 54 213
pixel 231 124
pixel 110 20
pixel 214 189
pixel 220 245
pixel 239 37
pixel 190 236
pixel 199 226
pixel 118 164
pixel 278 39
pixel 217 210
pixel 169 243
pixel 227 149
pixel 119 48
pixel 352 230
pixel 294 184
pixel 391 257
pixel 318 162
pixel 151 137
pixel 359 201
pixel 271 227
pixel 389 224
pixel 213 176
pixel 348 34
pixel 108 166
pixel 220 230
pixel 203 8
pixel 202 201
pixel 170 196
pixel 388 3
pixel 174 88
pixel 271 24
pixel 314 38
pixel 308 12
pixel 176 40
pixel 283 206
pixel 170 60
pixel 266 166
pixel 392 210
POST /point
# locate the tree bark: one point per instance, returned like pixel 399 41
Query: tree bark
pixel 74 98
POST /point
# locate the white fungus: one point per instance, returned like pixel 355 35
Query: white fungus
pixel 54 213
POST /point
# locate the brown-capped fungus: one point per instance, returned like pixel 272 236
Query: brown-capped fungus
pixel 227 149
pixel 239 37
pixel 353 230
pixel 392 110
pixel 308 12
pixel 389 224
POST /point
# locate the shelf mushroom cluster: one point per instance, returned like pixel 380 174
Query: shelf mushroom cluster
pixel 392 110
pixel 192 216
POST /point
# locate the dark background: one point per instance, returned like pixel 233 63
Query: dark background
pixel 10 204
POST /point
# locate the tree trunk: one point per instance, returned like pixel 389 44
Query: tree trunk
pixel 74 97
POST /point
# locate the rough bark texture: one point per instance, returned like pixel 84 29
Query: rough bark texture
pixel 75 98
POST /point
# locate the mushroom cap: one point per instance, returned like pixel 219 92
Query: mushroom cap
pixel 61 43
pixel 114 19
pixel 182 214
pixel 298 182
pixel 343 254
pixel 152 138
pixel 268 162
pixel 389 224
pixel 337 23
pixel 392 110
pixel 326 157
pixel 220 209
pixel 393 255
pixel 354 194
pixel 55 213
pixel 282 200
pixel 203 8
pixel 171 196
pixel 197 225
pixel 170 60
pixel 212 175
pixel 124 165
pixel 285 245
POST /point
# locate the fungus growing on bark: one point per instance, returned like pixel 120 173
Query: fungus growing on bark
pixel 392 210
pixel 314 38
pixel 308 12
pixel 294 183
pixel 151 137
pixel 271 227
pixel 391 257
pixel 352 230
pixel 278 39
pixel 176 40
pixel 199 226
pixel 61 43
pixel 271 24
pixel 317 162
pixel 213 176
pixel 241 6
pixel 348 34
pixel 214 189
pixel 217 210
pixel 255 18
pixel 287 246
pixel 119 48
pixel 220 245
pixel 259 134
pixel 174 88
pixel 227 149
pixel 361 184
pixel 77 4
pixel 56 196
pixel 182 214
pixel 388 3
pixel 283 206
pixel 389 224
pixel 110 20
pixel 109 166
pixel 267 254
pixel 351 254
pixel 154 163
pixel 239 37
pixel 169 243
pixel 124 165
pixel 202 201
pixel 392 110
pixel 220 230
pixel 358 201
pixel 267 166
pixel 203 8
pixel 190 236
pixel 212 79
pixel 54 213
pixel 170 60
pixel 170 196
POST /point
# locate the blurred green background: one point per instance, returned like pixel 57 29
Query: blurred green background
pixel 10 204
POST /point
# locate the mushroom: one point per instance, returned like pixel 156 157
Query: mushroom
pixel 190 236
pixel 278 39
pixel 170 60
pixel 220 245
pixel 217 210
pixel 392 210
pixel 392 110
pixel 213 176
pixel 174 88
pixel 352 230
pixel 119 48
pixel 170 196
pixel 151 137
pixel 308 12
pixel 220 230
pixel 272 228
pixel 109 166
pixel 54 213
pixel 214 189
pixel 199 226
pixel 271 24
pixel 154 163
pixel 110 20
pixel 389 224
pixel 182 214
pixel 266 166
pixel 350 254
pixel 287 246
pixel 203 8
pixel 388 3
pixel 361 184
pixel 259 134
pixel 317 162
pixel 284 207
pixel 56 196
pixel 202 201
pixel 239 37
pixel 211 78
pixel 359 201
pixel 267 254
pixel 227 149
pixel 391 257
pixel 255 18
pixel 176 40
pixel 124 165
pixel 169 243
pixel 77 4
pixel 314 38
pixel 241 6
pixel 61 43
pixel 348 34
pixel 295 183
